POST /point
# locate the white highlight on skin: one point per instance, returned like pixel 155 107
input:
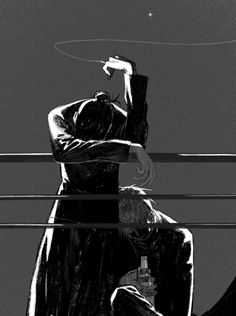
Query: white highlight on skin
pixel 134 42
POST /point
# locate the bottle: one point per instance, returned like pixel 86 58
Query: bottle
pixel 145 279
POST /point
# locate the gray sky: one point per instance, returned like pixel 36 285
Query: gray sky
pixel 191 99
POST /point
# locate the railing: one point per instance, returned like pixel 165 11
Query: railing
pixel 156 157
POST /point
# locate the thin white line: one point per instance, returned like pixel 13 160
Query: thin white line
pixel 209 155
pixel 148 42
pixel 134 42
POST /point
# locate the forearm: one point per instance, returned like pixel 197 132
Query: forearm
pixel 78 151
pixel 135 96
pixel 67 147
pixel 135 91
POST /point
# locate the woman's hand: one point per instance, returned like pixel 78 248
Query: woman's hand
pixel 145 165
pixel 119 63
pixel 134 278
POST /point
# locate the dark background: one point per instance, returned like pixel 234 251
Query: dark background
pixel 191 98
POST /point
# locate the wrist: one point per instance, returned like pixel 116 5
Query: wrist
pixel 130 69
pixel 134 147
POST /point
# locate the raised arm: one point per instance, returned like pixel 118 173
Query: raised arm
pixel 67 148
pixel 136 124
pixel 135 98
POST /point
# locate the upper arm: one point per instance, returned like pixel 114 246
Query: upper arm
pixel 57 123
pixel 187 266
pixel 68 147
pixel 137 125
pixel 61 117
pixel 61 132
pixel 178 257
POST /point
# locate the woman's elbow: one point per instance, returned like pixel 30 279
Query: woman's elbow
pixel 58 158
pixel 57 155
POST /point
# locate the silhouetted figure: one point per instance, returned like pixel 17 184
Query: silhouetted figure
pixel 166 279
pixel 78 270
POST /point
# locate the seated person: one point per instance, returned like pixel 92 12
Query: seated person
pixel 156 265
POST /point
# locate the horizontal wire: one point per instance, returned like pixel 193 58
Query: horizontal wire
pixel 86 197
pixel 142 42
pixel 157 157
pixel 120 225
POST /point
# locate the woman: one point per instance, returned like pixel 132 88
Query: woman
pixel 78 269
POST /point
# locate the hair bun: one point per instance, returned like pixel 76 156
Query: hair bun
pixel 102 97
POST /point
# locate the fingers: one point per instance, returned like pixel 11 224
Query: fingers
pixel 105 69
pixel 132 272
pixel 118 64
pixel 147 171
pixel 148 176
pixel 149 288
pixel 122 58
pixel 140 168
pixel 116 59
pixel 145 175
pixel 152 172
pixel 110 67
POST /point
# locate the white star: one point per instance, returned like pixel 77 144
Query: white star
pixel 150 14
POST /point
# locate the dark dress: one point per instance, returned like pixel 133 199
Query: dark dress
pixel 78 269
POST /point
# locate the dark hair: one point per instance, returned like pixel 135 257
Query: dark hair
pixel 104 97
pixel 136 210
